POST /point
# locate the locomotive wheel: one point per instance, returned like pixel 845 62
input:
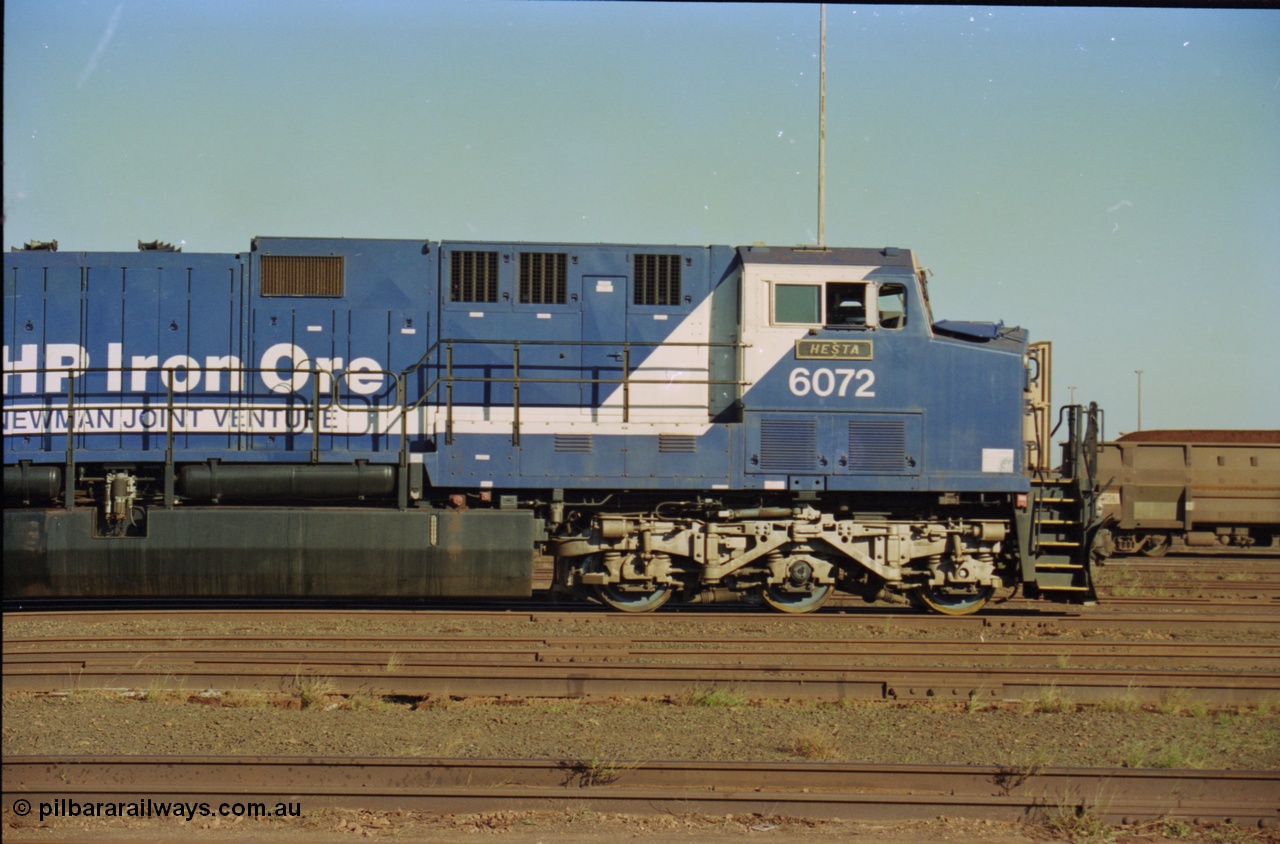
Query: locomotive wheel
pixel 1157 545
pixel 950 602
pixel 624 600
pixel 796 602
pixel 634 601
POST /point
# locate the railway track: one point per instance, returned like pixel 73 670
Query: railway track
pixel 1116 613
pixel 1166 579
pixel 1196 588
pixel 410 651
pixel 1262 567
pixel 814 660
pixel 1143 650
pixel 490 679
pixel 809 789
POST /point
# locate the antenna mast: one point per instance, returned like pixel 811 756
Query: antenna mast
pixel 822 132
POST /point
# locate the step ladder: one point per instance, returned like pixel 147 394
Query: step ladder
pixel 1059 547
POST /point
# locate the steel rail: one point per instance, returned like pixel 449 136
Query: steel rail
pixel 1214 566
pixel 588 679
pixel 1160 603
pixel 1180 581
pixel 1223 553
pixel 746 643
pixel 1173 586
pixel 842 605
pixel 811 789
pixel 1118 611
pixel 414 651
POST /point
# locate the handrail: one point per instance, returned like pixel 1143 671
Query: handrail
pixel 624 380
pixel 75 378
pixel 318 403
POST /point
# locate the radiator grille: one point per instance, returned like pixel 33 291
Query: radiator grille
pixel 301 275
pixel 877 446
pixel 543 278
pixel 657 279
pixel 473 276
pixel 788 445
pixel 573 443
pixel 677 444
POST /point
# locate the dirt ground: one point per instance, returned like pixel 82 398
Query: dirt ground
pixel 580 825
pixel 706 724
pixel 574 826
pixel 712 725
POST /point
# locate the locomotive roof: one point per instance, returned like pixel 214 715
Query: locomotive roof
pixel 832 256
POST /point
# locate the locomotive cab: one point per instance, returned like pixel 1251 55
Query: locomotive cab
pixel 841 355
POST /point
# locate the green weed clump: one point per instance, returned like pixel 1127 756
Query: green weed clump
pixel 1124 703
pixel 1166 754
pixel 712 697
pixel 1078 822
pixel 1049 699
pixel 814 743
pixel 314 691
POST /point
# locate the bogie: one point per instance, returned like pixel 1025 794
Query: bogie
pixel 791 559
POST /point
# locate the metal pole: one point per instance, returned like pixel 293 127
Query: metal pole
pixel 169 475
pixel 448 392
pixel 626 382
pixel 515 393
pixel 402 399
pixel 69 485
pixel 822 131
pixel 1139 372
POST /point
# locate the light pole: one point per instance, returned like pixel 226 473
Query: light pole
pixel 1139 372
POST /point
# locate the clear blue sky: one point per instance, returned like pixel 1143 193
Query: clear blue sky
pixel 1108 178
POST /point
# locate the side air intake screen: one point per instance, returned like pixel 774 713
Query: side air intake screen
pixel 657 280
pixel 473 276
pixel 573 443
pixel 788 445
pixel 877 447
pixel 543 278
pixel 302 275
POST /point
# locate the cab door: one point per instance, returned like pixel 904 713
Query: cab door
pixel 604 335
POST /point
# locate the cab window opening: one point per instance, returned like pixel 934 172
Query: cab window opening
pixel 891 304
pixel 846 305
pixel 841 304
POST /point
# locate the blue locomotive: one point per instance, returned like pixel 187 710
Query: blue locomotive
pixel 411 418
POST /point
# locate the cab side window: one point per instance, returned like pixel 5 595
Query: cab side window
pixel 846 304
pixel 892 305
pixel 841 304
pixel 797 303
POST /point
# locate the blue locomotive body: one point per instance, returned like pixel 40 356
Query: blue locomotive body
pixel 391 417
